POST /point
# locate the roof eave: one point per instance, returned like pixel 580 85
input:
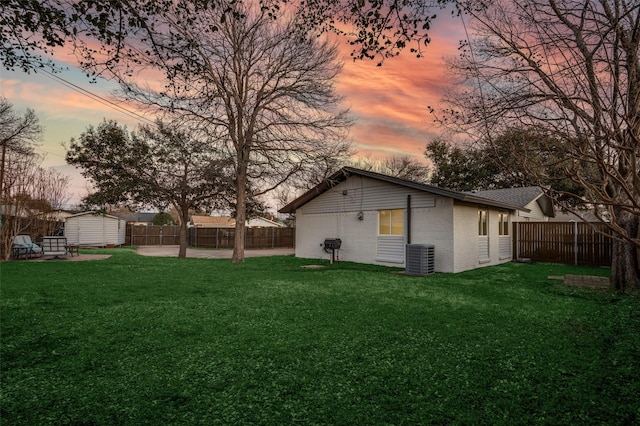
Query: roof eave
pixel 488 202
pixel 344 173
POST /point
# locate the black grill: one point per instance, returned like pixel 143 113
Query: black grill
pixel 332 243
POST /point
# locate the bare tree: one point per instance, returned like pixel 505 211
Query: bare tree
pixel 31 194
pixel 260 86
pixel 100 29
pixel 570 70
pixel 18 134
pixel 400 166
pixel 28 193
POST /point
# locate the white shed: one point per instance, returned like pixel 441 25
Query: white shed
pixel 95 229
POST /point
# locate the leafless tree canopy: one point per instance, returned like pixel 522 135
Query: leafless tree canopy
pixel 259 85
pixel 29 194
pixel 400 166
pixel 570 69
pixel 375 29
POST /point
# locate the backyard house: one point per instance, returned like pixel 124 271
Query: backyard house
pixel 263 222
pixel 537 206
pixel 230 222
pixel 95 230
pixel 201 221
pixel 138 218
pixel 375 216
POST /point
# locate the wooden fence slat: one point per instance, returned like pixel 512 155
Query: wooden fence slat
pixel 558 241
pixel 217 238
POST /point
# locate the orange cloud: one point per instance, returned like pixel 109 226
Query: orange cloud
pixel 390 102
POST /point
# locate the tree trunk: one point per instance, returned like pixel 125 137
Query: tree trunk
pixel 184 218
pixel 6 238
pixel 625 259
pixel 241 212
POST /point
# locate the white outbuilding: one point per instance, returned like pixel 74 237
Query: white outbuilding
pixel 95 230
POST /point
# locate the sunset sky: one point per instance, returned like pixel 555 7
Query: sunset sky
pixel 389 102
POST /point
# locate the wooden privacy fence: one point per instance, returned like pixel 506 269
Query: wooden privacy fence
pixel 219 238
pixel 562 242
pixel 152 235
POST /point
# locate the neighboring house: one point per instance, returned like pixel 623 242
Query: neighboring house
pixel 583 216
pixel 138 218
pixel 212 222
pixel 58 215
pixel 229 222
pixel 538 207
pixel 376 215
pixel 95 229
pixel 263 222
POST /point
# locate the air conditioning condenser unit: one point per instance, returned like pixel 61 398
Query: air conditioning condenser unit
pixel 420 259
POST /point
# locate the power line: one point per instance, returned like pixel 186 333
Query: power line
pixel 98 98
pixel 48 152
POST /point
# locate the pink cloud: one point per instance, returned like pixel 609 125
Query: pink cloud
pixel 391 102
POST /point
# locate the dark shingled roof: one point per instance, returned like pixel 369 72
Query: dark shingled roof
pixel 346 172
pixel 520 197
pixel 137 217
pixel 516 196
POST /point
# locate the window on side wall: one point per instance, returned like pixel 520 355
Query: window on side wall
pixel 391 222
pixel 504 224
pixel 483 223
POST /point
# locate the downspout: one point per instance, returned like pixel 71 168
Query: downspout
pixel 409 219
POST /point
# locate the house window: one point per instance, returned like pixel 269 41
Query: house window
pixel 504 224
pixel 391 222
pixel 483 223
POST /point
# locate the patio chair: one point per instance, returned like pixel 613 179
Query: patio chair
pixel 24 247
pixel 54 246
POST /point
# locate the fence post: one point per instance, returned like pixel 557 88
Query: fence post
pixel 575 241
pixel 273 237
pixel 517 241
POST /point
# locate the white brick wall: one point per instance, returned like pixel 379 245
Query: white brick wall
pixel 358 236
pixel 435 226
pixel 451 228
pixel 466 239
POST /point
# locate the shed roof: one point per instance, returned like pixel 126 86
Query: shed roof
pixel 346 172
pixel 93 214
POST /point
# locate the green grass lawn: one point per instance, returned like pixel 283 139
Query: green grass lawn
pixel 135 340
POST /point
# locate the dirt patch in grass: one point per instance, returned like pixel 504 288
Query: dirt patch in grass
pixel 80 258
pixel 313 266
pixel 590 281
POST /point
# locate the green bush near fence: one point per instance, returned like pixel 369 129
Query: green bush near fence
pixel 134 340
